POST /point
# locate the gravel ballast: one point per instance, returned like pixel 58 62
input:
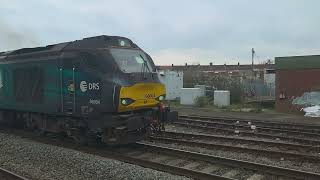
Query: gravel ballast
pixel 42 161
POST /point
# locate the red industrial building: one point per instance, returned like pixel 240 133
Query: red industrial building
pixel 295 75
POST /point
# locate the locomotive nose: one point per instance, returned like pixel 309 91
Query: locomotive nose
pixel 140 96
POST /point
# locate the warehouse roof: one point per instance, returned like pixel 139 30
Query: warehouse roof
pixel 298 62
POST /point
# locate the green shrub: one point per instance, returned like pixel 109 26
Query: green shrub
pixel 201 101
pixel 256 109
pixel 236 92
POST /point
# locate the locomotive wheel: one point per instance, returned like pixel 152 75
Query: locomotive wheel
pixel 79 136
pixel 92 139
pixel 40 132
pixel 80 140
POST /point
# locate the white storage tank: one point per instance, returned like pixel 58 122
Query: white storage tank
pixel 221 98
pixel 189 95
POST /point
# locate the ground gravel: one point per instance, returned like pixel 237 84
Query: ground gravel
pixel 42 161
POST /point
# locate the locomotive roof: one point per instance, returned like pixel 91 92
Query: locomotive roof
pixel 96 42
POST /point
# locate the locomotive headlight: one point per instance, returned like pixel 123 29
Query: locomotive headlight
pixel 161 98
pixel 126 101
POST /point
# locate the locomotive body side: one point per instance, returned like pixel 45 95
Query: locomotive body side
pixel 86 89
pixel 30 86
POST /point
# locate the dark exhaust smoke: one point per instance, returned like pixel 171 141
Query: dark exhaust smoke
pixel 15 38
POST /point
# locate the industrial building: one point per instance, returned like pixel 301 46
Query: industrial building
pixel 256 80
pixel 295 76
pixel 244 70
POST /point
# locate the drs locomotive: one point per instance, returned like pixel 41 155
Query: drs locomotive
pixel 102 88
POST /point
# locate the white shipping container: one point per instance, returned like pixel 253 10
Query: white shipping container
pixel 189 95
pixel 221 98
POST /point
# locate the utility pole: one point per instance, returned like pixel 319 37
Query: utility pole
pixel 252 56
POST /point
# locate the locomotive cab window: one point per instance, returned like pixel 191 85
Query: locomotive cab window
pixel 130 61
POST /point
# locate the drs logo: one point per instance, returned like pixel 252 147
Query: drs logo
pixel 94 86
pixel 84 86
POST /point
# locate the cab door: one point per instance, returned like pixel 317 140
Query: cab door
pixel 68 79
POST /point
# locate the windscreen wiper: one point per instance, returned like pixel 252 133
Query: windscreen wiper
pixel 145 63
pixel 144 67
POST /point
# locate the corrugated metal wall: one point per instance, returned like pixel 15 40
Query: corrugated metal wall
pixel 258 88
pixel 298 62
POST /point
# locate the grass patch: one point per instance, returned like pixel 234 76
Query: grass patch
pixel 204 104
pixel 201 101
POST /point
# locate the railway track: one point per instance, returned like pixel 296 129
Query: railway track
pixel 191 164
pixel 245 127
pixel 281 146
pixel 266 124
pixel 161 159
pixel 277 151
pixel 213 167
pixel 8 175
pixel 234 130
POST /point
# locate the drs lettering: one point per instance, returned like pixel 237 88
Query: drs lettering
pixel 94 86
pixel 84 86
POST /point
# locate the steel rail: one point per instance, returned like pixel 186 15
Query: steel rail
pixel 264 129
pixel 269 124
pixel 9 175
pixel 269 153
pixel 261 135
pixel 164 167
pixel 237 139
pixel 275 170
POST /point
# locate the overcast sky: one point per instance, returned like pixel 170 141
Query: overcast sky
pixel 180 31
